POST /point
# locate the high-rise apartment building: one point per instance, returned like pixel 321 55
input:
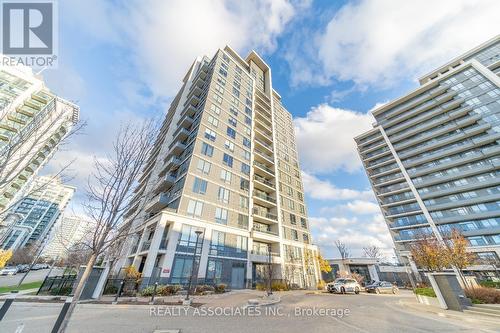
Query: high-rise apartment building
pixel 225 163
pixel 67 233
pixel 37 213
pixel 33 121
pixel 433 156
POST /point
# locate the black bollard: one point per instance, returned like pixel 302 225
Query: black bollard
pixel 154 294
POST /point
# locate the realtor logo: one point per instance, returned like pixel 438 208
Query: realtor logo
pixel 28 29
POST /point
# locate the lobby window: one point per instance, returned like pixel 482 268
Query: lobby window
pixel 227 160
pixel 207 149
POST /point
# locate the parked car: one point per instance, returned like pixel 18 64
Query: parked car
pixel 10 270
pixel 343 286
pixel 382 287
pixel 23 268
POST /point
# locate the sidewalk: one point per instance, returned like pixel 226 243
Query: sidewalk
pixel 471 318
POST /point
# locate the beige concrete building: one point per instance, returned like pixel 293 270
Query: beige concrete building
pixel 433 157
pixel 225 163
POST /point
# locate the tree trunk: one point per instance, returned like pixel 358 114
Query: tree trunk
pixel 78 292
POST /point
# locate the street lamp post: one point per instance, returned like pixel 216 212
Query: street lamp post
pixel 198 233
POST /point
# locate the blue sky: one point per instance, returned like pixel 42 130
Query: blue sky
pixel 332 62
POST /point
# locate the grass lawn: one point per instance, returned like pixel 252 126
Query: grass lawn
pixel 24 286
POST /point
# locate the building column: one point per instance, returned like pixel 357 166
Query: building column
pixel 373 272
pixel 205 249
pixel 153 250
pixel 168 260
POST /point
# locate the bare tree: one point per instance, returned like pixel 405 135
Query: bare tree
pixel 372 251
pixel 21 151
pixel 110 191
pixel 344 250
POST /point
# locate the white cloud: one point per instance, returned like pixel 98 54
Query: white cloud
pixel 377 43
pixel 324 190
pixel 325 138
pixel 357 232
pixel 166 36
pixel 362 207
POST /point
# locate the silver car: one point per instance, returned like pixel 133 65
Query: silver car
pixel 8 271
pixel 344 285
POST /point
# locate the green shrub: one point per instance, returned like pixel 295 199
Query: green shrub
pixel 483 295
pixel 490 284
pixel 148 291
pixel 425 292
pixel 110 289
pixel 204 288
pixel 220 288
pixel 321 285
pixel 64 291
pixel 279 286
pixel 168 290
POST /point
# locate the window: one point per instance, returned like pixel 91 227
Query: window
pixel 218 98
pixel 223 72
pixel 246 155
pixel 221 80
pixel 233 110
pixel 295 235
pixel 245 168
pixel 223 195
pixel 242 221
pixel 225 176
pixel 305 237
pixel 303 222
pixel 241 243
pixel 219 89
pixel 207 149
pixel 236 92
pixel 215 109
pixel 248 121
pixel 244 184
pixel 227 160
pixel 232 121
pixel 199 186
pixel 213 121
pixel 231 132
pixel 246 142
pixel 293 219
pixel 195 208
pixel 210 135
pixel 229 145
pixel 243 202
pixel 248 111
pixel 204 166
pixel 235 100
pixel 221 215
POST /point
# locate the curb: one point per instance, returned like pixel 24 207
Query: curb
pixel 450 314
pixel 256 302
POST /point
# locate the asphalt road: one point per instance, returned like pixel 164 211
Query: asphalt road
pixel 297 312
pixel 33 276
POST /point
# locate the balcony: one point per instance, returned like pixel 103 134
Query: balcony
pixel 263 184
pixel 158 202
pixel 177 148
pixel 264 167
pixel 186 121
pixel 146 245
pixel 264 199
pixel 264 215
pixel 173 161
pixel 267 146
pixel 181 134
pixel 264 256
pixel 166 182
